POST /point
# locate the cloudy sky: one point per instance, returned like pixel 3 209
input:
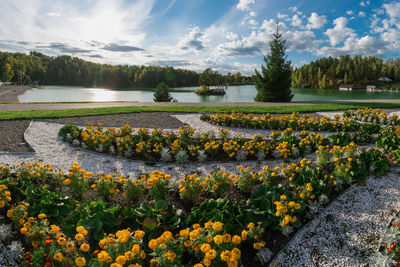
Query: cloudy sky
pixel 228 35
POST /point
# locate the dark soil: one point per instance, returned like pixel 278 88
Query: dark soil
pixel 143 120
pixel 12 136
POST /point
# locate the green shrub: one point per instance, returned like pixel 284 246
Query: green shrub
pixel 162 93
pixel 72 130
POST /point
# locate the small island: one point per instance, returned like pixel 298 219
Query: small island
pixel 205 90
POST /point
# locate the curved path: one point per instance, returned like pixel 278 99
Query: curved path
pixel 346 233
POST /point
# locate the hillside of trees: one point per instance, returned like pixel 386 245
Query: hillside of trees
pixel 211 77
pixel 67 70
pixel 331 72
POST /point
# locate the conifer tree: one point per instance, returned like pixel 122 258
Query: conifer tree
pixel 273 83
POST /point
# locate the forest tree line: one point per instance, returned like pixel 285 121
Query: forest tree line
pixel 67 70
pixel 331 72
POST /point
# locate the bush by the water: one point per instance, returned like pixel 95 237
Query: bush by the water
pixel 162 93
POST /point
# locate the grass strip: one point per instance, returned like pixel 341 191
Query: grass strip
pixel 42 114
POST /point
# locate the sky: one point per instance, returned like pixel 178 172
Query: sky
pixel 226 35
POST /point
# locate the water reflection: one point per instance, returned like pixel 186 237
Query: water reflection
pixel 187 94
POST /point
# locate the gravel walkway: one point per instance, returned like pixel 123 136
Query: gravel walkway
pixel 348 232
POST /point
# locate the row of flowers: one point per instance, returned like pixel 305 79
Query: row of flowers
pixel 294 121
pixel 373 116
pixel 188 145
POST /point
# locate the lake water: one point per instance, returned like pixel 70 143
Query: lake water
pixel 187 94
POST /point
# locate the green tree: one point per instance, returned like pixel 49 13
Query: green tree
pixel 273 83
pixel 8 72
pixel 162 93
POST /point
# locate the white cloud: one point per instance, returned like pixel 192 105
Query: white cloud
pixel 392 37
pixel 245 4
pixel 366 46
pixel 231 35
pixel 193 41
pixel 393 10
pixel 349 12
pixel 53 14
pixel 257 42
pixel 340 32
pixel 296 21
pixel 361 14
pixel 253 14
pixel 364 3
pixel 253 22
pixel 316 22
pixel 282 16
pixel 294 9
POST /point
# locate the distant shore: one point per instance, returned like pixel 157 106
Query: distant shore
pixel 10 93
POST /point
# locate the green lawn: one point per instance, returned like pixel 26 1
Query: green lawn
pixel 41 114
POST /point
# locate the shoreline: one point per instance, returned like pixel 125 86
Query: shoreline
pixel 10 93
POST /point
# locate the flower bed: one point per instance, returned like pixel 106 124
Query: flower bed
pixel 187 145
pixel 372 115
pixel 294 121
pixel 80 218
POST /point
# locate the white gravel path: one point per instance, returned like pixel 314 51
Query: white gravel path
pixel 348 231
pixel 330 114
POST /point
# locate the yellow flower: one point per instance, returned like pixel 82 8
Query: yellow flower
pixel 236 239
pixel 170 255
pixel 80 261
pixel 218 239
pixel 153 244
pixel 184 233
pixel 244 234
pixel 121 260
pixel 58 257
pixel 136 248
pixel 42 216
pixel 102 256
pixel 67 181
pixel 79 237
pixel 55 228
pixel 205 247
pixel 23 230
pixel 138 234
pixel 258 245
pixel 85 247
pixel 217 226
pixel 71 245
pixel 227 238
pixel 208 225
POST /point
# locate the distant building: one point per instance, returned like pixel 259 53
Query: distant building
pixel 385 79
pixel 371 88
pixel 346 87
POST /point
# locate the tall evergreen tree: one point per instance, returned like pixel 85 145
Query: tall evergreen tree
pixel 273 83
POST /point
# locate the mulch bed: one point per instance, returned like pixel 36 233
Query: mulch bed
pixel 12 136
pixel 143 120
pixel 12 131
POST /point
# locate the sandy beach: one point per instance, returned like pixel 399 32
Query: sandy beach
pixel 11 93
